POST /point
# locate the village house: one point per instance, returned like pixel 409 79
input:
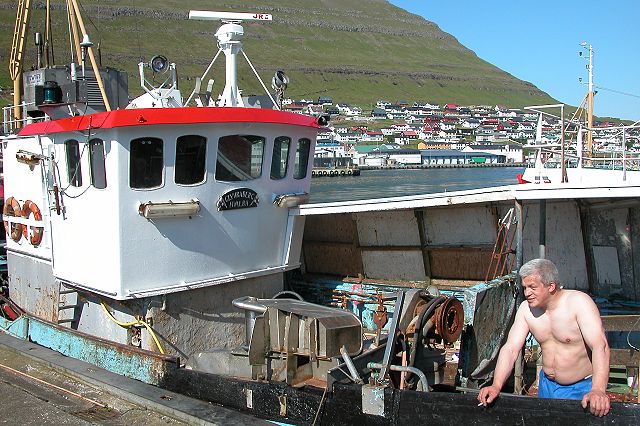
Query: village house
pixel 434 144
pixel 450 108
pixel 426 105
pixel 485 134
pixel 373 137
pixel 379 113
pixel 405 137
pixel 347 110
pixel 330 150
pixel 470 123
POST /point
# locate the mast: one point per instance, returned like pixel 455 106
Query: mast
pixel 17 52
pixel 590 95
pixel 92 58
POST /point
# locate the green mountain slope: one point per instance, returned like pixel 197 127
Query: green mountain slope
pixel 356 51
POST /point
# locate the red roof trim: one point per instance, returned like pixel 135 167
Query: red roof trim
pixel 158 116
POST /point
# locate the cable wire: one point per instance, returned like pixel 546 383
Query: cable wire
pixel 629 335
pixel 134 323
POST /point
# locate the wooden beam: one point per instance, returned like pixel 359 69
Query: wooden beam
pixel 428 247
pixel 621 322
pixel 627 357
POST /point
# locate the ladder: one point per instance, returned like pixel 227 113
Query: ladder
pixel 69 306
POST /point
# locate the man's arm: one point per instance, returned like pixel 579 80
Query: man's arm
pixel 507 356
pixel 592 331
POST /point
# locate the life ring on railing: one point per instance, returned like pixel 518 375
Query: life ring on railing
pixel 29 208
pixel 342 173
pixel 12 209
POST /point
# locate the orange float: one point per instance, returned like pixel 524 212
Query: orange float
pixel 28 209
pixel 12 209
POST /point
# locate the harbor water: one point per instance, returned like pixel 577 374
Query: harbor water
pixel 398 182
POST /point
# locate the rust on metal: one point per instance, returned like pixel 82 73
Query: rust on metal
pixel 449 319
pixel 380 317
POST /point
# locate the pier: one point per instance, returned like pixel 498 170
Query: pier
pixel 443 166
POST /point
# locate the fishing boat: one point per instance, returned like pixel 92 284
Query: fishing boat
pixel 172 244
pixel 583 153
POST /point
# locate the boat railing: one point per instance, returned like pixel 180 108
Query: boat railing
pixel 614 155
pixel 11 124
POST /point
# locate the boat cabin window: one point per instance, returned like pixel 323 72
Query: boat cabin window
pixel 302 159
pixel 239 157
pixel 146 163
pixel 280 157
pixel 96 164
pixel 191 151
pixel 74 169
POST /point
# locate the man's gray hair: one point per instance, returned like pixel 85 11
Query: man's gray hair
pixel 543 268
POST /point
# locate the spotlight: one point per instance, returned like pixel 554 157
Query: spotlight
pixel 158 63
pixel 280 80
pixel 323 120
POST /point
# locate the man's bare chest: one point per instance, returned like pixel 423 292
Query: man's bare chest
pixel 561 327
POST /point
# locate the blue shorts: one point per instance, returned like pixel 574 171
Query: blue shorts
pixel 549 389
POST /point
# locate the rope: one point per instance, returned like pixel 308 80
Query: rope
pixel 324 394
pixel 133 323
pixel 77 395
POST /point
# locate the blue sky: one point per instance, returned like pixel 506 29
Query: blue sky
pixel 538 41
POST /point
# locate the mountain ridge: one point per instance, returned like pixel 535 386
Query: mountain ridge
pixel 356 51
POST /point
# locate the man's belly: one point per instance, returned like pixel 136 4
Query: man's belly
pixel 567 365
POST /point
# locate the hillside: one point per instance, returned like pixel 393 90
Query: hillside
pixel 356 51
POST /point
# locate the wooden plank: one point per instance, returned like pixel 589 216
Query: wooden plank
pixel 621 322
pixel 426 261
pixel 626 357
pixel 443 247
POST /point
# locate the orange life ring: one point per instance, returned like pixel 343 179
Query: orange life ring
pixel 12 209
pixel 28 208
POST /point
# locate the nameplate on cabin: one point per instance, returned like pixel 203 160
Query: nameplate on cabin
pixel 241 198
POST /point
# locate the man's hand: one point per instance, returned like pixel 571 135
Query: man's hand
pixel 598 402
pixel 488 395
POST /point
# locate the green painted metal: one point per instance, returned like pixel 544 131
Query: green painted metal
pixel 146 366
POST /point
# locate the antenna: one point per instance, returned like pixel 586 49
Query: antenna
pixel 204 15
pixel 230 36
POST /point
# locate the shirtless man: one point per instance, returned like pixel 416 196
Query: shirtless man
pixel 567 325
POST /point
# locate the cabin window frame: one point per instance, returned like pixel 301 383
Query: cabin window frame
pixel 202 158
pixel 228 143
pixel 283 158
pixel 298 172
pixel 97 164
pixel 146 162
pixel 74 173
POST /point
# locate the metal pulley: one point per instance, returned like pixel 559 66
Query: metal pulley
pixel 449 319
pixel 446 320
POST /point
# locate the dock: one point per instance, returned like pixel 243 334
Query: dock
pixel 443 166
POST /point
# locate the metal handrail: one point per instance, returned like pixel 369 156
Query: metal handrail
pixel 10 124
